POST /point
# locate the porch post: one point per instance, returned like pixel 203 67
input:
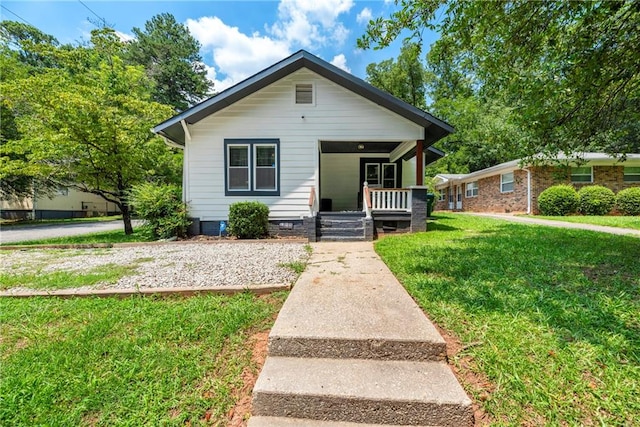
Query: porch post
pixel 419 162
pixel 418 208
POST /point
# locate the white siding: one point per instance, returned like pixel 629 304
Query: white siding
pixel 338 115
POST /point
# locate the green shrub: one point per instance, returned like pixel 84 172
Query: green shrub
pixel 558 200
pixel 628 201
pixel 248 220
pixel 161 208
pixel 596 200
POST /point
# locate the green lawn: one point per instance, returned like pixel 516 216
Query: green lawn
pixel 551 317
pixel 134 361
pixel 611 221
pixel 115 236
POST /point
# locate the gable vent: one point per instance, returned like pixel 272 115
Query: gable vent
pixel 304 93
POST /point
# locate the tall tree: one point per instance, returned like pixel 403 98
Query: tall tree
pixel 569 70
pixel 20 47
pixel 171 56
pixel 86 122
pixel 404 78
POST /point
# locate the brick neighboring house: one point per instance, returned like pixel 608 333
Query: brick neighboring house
pixel 512 187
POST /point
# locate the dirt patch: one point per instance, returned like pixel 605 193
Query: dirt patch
pixel 240 413
pixel 467 372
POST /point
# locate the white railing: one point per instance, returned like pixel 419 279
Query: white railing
pixel 390 199
pixel 314 206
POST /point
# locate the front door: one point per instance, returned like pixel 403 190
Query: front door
pixel 459 197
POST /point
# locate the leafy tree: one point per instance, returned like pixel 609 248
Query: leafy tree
pixel 171 56
pixel 18 59
pixel 85 124
pixel 404 78
pixel 569 70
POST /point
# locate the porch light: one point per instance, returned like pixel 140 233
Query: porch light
pixel 360 146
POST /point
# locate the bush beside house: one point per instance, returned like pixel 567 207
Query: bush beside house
pixel 596 200
pixel 162 209
pixel 628 201
pixel 249 220
pixel 558 200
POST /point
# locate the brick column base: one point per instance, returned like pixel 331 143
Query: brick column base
pixel 310 226
pixel 418 209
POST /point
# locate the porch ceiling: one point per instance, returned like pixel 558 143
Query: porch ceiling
pixel 353 147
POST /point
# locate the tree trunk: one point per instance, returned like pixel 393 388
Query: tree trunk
pixel 126 218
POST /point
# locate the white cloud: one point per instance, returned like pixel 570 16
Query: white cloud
pixel 340 61
pixel 235 54
pixel 124 37
pixel 308 24
pixel 311 23
pixel 364 16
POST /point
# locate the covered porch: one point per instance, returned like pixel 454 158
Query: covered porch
pixel 380 183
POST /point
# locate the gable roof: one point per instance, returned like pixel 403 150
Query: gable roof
pixel 172 129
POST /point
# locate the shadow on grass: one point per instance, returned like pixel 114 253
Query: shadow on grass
pixel 583 285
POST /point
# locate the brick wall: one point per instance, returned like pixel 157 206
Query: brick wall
pixel 543 177
pixel 490 199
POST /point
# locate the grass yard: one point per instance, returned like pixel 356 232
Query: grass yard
pixel 114 236
pixel 134 361
pixel 610 221
pixel 551 317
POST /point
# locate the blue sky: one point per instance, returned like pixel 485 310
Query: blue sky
pixel 239 38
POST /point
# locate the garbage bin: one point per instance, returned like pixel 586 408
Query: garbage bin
pixel 430 201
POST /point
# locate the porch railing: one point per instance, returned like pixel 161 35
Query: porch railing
pixel 390 199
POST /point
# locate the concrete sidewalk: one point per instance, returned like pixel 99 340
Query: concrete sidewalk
pixel 351 346
pixel 560 224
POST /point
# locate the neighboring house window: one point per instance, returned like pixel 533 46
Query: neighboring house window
pixel 304 93
pixel 472 189
pixel 62 191
pixel 506 182
pixel 441 195
pixel 252 167
pixel 582 174
pixel 631 174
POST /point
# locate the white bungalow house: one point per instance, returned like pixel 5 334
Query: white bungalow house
pixel 328 153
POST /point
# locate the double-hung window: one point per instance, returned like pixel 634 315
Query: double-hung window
pixel 582 174
pixel 506 182
pixel 471 189
pixel 442 195
pixel 631 174
pixel 252 167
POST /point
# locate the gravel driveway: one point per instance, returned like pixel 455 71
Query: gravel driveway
pixel 170 265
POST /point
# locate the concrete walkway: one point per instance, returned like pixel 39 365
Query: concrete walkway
pixel 351 346
pixel 560 224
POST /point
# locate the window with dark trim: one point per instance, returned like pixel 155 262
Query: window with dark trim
pixel 631 174
pixel 252 167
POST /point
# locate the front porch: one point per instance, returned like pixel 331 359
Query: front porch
pixel 385 210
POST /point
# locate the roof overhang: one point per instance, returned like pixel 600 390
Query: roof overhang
pixel 174 130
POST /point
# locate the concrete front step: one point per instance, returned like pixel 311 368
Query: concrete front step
pixel 340 232
pixel 339 223
pixel 341 238
pixel 299 422
pixel 362 391
pixel 350 306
